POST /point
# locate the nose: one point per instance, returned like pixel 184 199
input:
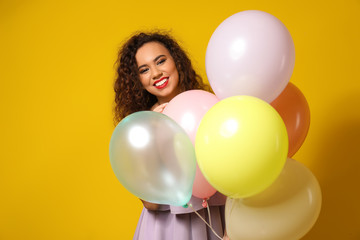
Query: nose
pixel 156 73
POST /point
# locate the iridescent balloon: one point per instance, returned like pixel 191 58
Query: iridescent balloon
pixel 153 158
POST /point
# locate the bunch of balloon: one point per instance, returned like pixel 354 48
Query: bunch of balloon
pixel 243 141
pixel 188 109
pixel 153 158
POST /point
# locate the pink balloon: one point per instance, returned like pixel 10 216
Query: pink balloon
pixel 187 109
pixel 250 53
pixel 201 187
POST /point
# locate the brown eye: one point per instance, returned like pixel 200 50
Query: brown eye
pixel 143 70
pixel 161 61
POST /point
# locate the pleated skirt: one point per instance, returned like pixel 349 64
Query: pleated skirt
pixel 164 225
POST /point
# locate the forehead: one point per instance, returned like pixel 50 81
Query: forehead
pixel 149 51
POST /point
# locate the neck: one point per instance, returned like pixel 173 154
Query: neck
pixel 162 100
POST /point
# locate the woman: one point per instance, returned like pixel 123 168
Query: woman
pixel 152 69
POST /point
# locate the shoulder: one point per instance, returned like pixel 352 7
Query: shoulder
pixel 154 106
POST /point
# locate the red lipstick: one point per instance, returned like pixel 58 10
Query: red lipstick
pixel 165 81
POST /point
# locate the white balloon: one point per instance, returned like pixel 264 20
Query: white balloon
pixel 250 53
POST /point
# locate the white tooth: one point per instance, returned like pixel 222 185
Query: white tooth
pixel 160 83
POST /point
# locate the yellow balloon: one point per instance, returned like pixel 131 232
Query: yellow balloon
pixel 241 146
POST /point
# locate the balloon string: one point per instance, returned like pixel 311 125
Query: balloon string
pixel 190 205
pixel 208 209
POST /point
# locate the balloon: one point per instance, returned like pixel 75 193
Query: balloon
pixel 153 158
pixel 293 108
pixel 202 188
pixel 241 146
pixel 286 210
pixel 250 53
pixel 187 109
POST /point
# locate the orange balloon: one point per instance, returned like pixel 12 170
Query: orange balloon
pixel 293 108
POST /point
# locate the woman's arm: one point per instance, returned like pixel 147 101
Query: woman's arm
pixel 149 205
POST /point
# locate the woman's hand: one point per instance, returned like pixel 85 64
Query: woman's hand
pixel 226 237
pixel 150 206
pixel 160 108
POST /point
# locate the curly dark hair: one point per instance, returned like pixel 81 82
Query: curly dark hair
pixel 130 96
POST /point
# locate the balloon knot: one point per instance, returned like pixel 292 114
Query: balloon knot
pixel 204 203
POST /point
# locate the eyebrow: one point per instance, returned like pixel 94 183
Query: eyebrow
pixel 155 59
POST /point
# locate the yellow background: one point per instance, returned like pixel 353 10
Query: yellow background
pixel 56 72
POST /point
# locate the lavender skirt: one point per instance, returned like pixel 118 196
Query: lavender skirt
pixel 177 223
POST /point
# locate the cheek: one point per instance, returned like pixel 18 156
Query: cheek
pixel 143 81
pixel 177 74
pixel 174 69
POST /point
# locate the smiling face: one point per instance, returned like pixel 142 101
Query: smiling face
pixel 157 71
